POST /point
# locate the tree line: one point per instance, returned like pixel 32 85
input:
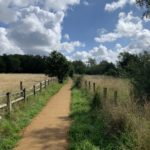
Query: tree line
pixel 135 67
pixel 41 64
pixel 22 64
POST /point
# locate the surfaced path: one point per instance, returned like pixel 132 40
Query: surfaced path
pixel 48 130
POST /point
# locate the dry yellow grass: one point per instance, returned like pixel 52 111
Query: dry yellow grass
pixel 122 86
pixel 11 82
pixel 135 116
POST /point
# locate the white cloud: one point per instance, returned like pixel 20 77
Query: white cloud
pixel 129 27
pixel 59 4
pixel 109 37
pixel 103 53
pixel 71 46
pixel 118 4
pixel 98 53
pixel 7 46
pixel 34 26
pixel 66 37
pixel 81 55
pixel 86 3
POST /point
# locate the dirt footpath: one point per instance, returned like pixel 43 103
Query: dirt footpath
pixel 48 131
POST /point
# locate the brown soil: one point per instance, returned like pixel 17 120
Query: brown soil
pixel 48 131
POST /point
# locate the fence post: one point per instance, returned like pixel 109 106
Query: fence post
pixel 40 86
pixel 105 94
pixel 24 94
pixel 21 88
pixel 21 85
pixel 45 84
pixel 9 104
pixel 85 84
pixel 89 85
pixel 34 88
pixel 48 81
pixel 94 87
pixel 115 97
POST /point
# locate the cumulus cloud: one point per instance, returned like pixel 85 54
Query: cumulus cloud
pixel 71 46
pixel 118 4
pixel 99 53
pixel 66 37
pixel 34 26
pixel 59 4
pixel 129 27
pixel 81 55
pixel 7 46
pixel 86 3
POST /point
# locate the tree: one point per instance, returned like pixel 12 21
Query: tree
pixel 91 62
pixel 137 69
pixel 126 63
pixel 2 65
pixel 79 67
pixel 57 66
pixel 107 68
pixel 146 4
pixel 71 70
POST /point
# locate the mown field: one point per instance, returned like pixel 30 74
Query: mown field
pixel 11 82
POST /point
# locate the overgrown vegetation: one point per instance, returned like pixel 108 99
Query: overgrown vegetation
pixel 94 129
pixel 99 125
pixel 21 116
pixel 137 69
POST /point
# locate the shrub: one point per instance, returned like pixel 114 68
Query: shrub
pixel 137 69
pixel 78 81
pixel 96 101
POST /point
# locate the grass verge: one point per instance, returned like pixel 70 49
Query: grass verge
pixel 95 129
pixel 10 127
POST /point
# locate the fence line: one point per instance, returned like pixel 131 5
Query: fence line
pixel 23 94
pixel 87 84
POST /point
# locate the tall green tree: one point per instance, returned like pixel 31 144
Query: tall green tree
pixel 58 66
pixel 137 69
pixel 79 67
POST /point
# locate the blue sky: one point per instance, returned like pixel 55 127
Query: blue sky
pixel 78 28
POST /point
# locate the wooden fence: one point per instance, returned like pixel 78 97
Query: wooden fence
pixel 91 86
pixel 8 99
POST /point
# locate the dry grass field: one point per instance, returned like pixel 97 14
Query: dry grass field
pixel 126 111
pixel 11 82
pixel 122 86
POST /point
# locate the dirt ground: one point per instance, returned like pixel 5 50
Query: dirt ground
pixel 49 130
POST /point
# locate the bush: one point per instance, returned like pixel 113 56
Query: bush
pixel 137 69
pixel 78 81
pixel 96 102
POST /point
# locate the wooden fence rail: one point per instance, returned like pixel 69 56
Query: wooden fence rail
pixel 23 94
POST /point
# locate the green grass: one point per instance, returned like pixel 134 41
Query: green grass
pixel 10 127
pixel 95 129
